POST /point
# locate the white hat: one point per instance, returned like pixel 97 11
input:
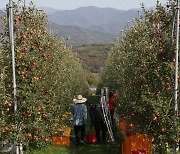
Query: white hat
pixel 79 99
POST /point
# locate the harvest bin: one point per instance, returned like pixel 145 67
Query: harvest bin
pixel 60 140
pixel 135 142
pixel 67 132
pixel 63 140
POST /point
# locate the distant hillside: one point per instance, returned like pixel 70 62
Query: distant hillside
pixel 105 20
pixel 79 36
pixel 93 56
pixel 48 10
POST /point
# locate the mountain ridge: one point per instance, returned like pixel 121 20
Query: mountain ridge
pixel 79 36
pixel 88 25
pixel 107 20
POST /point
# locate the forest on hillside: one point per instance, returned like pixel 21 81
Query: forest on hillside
pixel 93 56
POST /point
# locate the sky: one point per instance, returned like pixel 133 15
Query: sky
pixel 73 4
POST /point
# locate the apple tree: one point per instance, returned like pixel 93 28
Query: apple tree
pixel 48 75
pixel 141 69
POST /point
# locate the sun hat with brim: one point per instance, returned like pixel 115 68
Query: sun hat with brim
pixel 79 99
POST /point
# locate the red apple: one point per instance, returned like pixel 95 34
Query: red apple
pixel 37 66
pixel 161 57
pixel 159 31
pixel 23 73
pixel 31 32
pixel 152 139
pixel 29 135
pixel 25 49
pixel 36 131
pixel 39 108
pixel 6 128
pixel 46 139
pixel 165 51
pixel 44 115
pixel 15 27
pixel 30 67
pixel 9 105
pixel 40 49
pixel 35 138
pixel 158 66
pixel 163 130
pixel 171 67
pixel 26 75
pixel 20 18
pixel 24 37
pixel 13 126
pixel 154 119
pixel 160 43
pixel 16 20
pixel 19 57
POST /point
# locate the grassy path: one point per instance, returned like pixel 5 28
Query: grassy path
pixel 98 149
pixel 109 148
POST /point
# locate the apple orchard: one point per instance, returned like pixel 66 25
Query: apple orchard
pixel 48 75
pixel 141 68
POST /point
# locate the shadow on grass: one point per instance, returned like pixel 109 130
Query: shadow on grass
pixel 108 148
pixel 96 149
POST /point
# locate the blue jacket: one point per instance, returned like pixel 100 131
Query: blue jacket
pixel 79 112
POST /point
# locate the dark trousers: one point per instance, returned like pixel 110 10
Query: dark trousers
pixel 79 132
pixel 112 115
pixel 100 130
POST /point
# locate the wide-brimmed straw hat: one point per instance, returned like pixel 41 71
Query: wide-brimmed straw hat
pixel 79 99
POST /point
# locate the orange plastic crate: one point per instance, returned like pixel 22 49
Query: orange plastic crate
pixel 123 148
pixel 60 140
pixel 139 141
pixel 67 132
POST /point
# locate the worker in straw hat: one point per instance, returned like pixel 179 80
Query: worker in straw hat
pixel 79 112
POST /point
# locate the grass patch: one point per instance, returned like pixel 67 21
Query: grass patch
pixel 50 150
pixel 85 149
